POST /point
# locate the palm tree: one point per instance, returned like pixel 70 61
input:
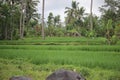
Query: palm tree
pixel 57 21
pixel 4 15
pixel 91 21
pixel 28 12
pixel 43 34
pixel 22 17
pixel 16 12
pixel 50 23
pixel 80 12
pixel 74 15
pixel 79 17
pixel 71 12
pixel 31 10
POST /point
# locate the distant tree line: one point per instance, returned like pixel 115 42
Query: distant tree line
pixel 19 18
pixel 16 17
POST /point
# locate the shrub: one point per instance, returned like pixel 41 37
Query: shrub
pixel 114 39
pixel 85 72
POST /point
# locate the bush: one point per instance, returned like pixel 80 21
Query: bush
pixel 114 77
pixel 117 31
pixel 91 34
pixel 85 72
pixel 114 39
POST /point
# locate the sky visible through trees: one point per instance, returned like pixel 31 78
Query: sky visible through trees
pixel 58 7
pixel 18 20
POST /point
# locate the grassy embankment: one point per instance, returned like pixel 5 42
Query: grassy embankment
pixel 95 61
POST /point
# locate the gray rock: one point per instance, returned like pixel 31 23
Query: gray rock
pixel 20 78
pixel 65 75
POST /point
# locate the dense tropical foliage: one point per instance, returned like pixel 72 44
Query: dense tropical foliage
pixel 15 17
pixel 19 19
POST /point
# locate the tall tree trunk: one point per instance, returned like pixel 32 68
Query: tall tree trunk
pixel 43 34
pixel 11 19
pixel 24 14
pixel 6 32
pixel 20 24
pixel 23 25
pixel 6 29
pixel 11 28
pixel 21 20
pixel 91 17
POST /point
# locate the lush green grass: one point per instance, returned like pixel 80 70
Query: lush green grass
pixel 56 41
pixel 37 58
pixel 115 48
pixel 23 67
pixel 107 57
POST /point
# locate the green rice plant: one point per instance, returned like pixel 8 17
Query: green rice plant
pixel 114 48
pixel 91 59
pixel 36 58
pixel 56 41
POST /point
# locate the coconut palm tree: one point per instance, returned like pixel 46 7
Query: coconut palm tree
pixel 71 12
pixel 57 21
pixel 91 21
pixel 31 10
pixel 28 12
pixel 43 34
pixel 74 15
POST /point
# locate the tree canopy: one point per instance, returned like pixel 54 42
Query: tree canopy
pixel 19 19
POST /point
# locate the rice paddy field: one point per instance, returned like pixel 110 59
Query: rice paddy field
pixel 37 59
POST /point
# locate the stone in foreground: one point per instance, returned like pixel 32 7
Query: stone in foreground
pixel 65 75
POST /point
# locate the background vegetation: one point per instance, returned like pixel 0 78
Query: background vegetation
pixel 74 44
pixel 19 19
